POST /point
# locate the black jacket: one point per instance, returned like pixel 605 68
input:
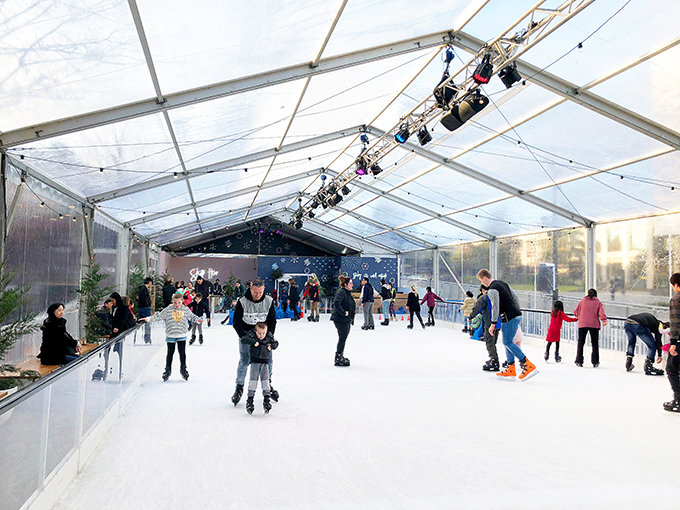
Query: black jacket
pixel 259 354
pixel 204 288
pixel 367 293
pixel 56 342
pixel 293 295
pixel 412 302
pixel 168 291
pixel 241 327
pixel 122 319
pixel 104 316
pixel 385 293
pixel 200 309
pixel 652 324
pixel 343 303
pixel 143 298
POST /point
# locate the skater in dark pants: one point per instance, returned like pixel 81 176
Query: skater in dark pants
pixel 200 308
pixel 293 299
pixel 483 306
pixel 413 305
pixel 648 328
pixel 557 317
pixel 176 318
pixel 673 364
pixel 430 297
pixel 144 303
pixel 590 313
pixel 261 344
pixel 252 308
pixel 367 301
pixel 343 317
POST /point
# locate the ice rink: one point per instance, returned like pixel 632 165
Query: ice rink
pixel 413 423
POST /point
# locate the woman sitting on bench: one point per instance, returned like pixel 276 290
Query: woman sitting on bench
pixel 58 346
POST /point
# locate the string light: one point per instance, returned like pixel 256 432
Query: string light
pixel 580 47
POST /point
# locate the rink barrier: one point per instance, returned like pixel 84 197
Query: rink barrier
pixel 49 429
pixel 536 323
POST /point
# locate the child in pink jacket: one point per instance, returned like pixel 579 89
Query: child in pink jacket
pixel 590 314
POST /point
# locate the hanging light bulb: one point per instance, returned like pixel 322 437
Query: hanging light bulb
pixel 580 47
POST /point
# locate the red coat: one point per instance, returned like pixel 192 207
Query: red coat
pixel 556 325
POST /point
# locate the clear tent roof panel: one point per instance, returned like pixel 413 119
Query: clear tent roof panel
pixel 440 233
pixel 357 226
pixel 226 206
pixel 229 180
pixel 388 212
pixel 61 59
pixel 354 95
pixel 176 235
pixel 396 241
pixel 229 127
pixel 327 232
pixel 497 16
pixel 650 89
pixel 219 41
pixel 399 18
pixel 152 201
pixel 513 216
pixel 167 222
pixel 638 28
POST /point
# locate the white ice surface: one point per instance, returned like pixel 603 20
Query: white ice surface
pixel 413 423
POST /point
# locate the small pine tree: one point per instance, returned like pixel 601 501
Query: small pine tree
pixel 90 294
pixel 135 281
pixel 229 285
pixel 11 300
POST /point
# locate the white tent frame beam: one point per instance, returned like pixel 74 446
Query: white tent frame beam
pixel 129 111
pixel 224 197
pixel 224 165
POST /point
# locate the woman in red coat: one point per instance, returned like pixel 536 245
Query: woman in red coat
pixel 557 317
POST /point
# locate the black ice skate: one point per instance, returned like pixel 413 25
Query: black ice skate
pixel 200 340
pixel 491 365
pixel 166 374
pixel 238 393
pixel 629 363
pixel 274 394
pixel 250 405
pixel 673 406
pixel 183 372
pixel 267 405
pixel 546 355
pixel 341 361
pixel 410 326
pixel 193 339
pixel 558 358
pixel 650 370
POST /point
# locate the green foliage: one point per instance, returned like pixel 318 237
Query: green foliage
pixel 135 281
pixel 90 294
pixel 11 300
pixel 277 274
pixel 229 284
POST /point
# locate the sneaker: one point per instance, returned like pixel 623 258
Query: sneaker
pixel 508 374
pixel 528 370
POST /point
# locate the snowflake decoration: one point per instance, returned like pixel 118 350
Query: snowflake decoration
pixel 286 246
pixel 293 259
pixel 324 278
pixel 308 262
pixel 213 247
pixel 365 266
pixel 246 245
pixel 378 260
pixel 283 261
pixel 275 265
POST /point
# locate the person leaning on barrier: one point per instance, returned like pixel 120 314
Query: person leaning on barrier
pixel 647 328
pixel 122 318
pixel 105 326
pixel 58 346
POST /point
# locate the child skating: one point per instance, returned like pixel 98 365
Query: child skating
pixel 200 308
pixel 261 344
pixel 557 317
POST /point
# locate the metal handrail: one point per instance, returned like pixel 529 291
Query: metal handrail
pixel 23 394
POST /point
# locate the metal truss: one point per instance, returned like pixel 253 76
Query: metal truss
pixel 504 50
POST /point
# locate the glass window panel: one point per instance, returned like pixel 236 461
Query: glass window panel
pixel 233 126
pixel 636 30
pixel 129 152
pixel 245 38
pixel 105 239
pixel 650 89
pixel 62 59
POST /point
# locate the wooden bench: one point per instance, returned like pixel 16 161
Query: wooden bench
pixel 35 365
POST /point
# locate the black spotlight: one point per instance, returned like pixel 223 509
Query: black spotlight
pixel 509 75
pixel 311 214
pixel 298 225
pixel 424 136
pixel 463 110
pixel 361 167
pixel 345 190
pixel 375 169
pixel 334 199
pixel 484 71
pixel 403 133
pixel 445 94
pixel 315 203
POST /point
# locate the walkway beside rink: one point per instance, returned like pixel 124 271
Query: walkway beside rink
pixel 412 423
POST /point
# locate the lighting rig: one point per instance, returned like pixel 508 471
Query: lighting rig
pixel 454 101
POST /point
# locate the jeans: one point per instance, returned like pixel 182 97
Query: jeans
pixel 244 361
pixel 70 358
pixel 146 312
pixel 386 310
pixel 509 330
pixel 594 340
pixel 368 315
pixel 637 330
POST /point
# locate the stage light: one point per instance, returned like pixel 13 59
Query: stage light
pixel 315 203
pixel 364 138
pixel 484 71
pixel 311 215
pixel 464 110
pixel 509 75
pixel 445 94
pixel 403 133
pixel 345 190
pixel 424 136
pixel 334 199
pixel 298 225
pixel 375 169
pixel 361 167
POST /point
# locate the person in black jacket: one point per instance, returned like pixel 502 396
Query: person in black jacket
pixel 168 290
pixel 294 299
pixel 386 296
pixel 105 326
pixel 413 305
pixel 343 317
pixel 261 345
pixel 122 316
pixel 144 303
pixel 58 346
pixel 646 327
pixel 200 308
pixel 205 287
pixel 367 300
